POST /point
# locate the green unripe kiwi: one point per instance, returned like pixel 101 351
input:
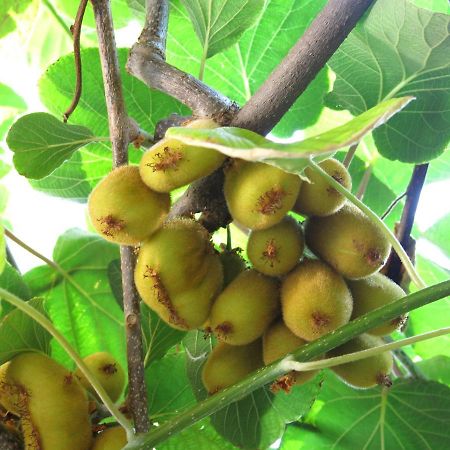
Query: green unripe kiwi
pixel 228 364
pixel 318 198
pixel 114 438
pixel 178 273
pixel 124 210
pixel 259 195
pixel 108 372
pixel 51 403
pixel 276 250
pixel 373 292
pixel 315 300
pixel 368 372
pixel 245 308
pixel 349 241
pixel 232 264
pixel 279 341
pixel 170 164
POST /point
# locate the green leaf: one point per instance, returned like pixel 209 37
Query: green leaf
pixel 81 305
pixel 245 144
pixel 12 281
pixel 220 24
pixel 410 415
pixel 240 70
pixel 158 337
pixel 431 316
pixel 375 63
pixel 438 234
pixel 436 368
pixel 167 395
pixel 77 176
pixel 441 6
pixel 41 143
pixel 9 99
pixel 2 249
pixel 19 333
pixel 8 11
pixel 115 280
pixel 259 419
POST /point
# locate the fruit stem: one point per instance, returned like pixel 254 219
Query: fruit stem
pixel 305 353
pixel 415 277
pixel 62 272
pixel 48 326
pixel 356 356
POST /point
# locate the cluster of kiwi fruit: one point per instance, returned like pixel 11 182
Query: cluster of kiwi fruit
pixel 51 408
pixel 262 310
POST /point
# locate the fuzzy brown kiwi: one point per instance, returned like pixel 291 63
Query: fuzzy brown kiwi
pixel 315 300
pixel 228 364
pixel 259 195
pixel 245 308
pixel 124 210
pixel 276 250
pixel 349 241
pixel 367 372
pixel 317 197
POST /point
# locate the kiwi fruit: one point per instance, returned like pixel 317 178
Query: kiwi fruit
pixel 276 250
pixel 245 308
pixel 124 210
pixel 259 195
pixel 114 438
pixel 279 341
pixel 233 264
pixel 315 300
pixel 367 372
pixel 349 241
pixel 178 273
pixel 108 372
pixel 317 197
pixel 373 292
pixel 170 164
pixel 51 403
pixel 228 364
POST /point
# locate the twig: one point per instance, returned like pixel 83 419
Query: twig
pixel 395 267
pixel 350 154
pixel 76 32
pixel 301 65
pixel 364 183
pixel 286 83
pixel 119 125
pixel 10 258
pixel 147 63
pixel 392 205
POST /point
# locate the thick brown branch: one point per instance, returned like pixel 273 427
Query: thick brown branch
pixel 395 268
pixel 301 65
pixel 119 128
pixel 147 63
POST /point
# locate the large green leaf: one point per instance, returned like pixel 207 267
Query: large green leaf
pixel 41 143
pixel 77 176
pixel 8 12
pixel 412 415
pixel 399 50
pixel 19 333
pixel 259 419
pixel 244 144
pixel 239 71
pixel 441 6
pixel 12 281
pixel 436 368
pixel 219 24
pixel 81 304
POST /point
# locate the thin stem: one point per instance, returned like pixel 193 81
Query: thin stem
pixel 415 277
pixel 48 326
pixel 57 17
pixel 62 272
pixel 119 130
pixel 392 206
pixel 356 356
pixel 307 352
pixel 350 154
pixel 10 258
pixel 364 183
pixel 76 32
